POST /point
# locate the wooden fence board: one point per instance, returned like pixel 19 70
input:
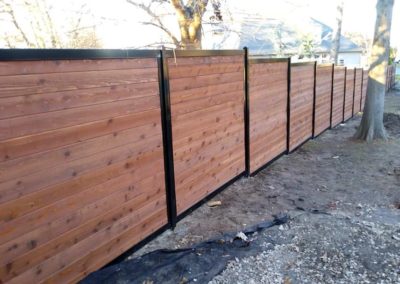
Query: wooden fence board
pixel 323 95
pixel 301 104
pixel 349 94
pixel 338 95
pixel 268 111
pixel 81 165
pixel 207 131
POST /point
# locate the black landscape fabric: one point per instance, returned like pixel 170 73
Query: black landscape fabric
pixel 199 263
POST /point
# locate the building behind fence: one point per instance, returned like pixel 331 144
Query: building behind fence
pixel 102 149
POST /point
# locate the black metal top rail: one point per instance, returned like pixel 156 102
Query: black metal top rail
pixel 303 63
pixel 255 60
pixel 74 54
pixel 202 52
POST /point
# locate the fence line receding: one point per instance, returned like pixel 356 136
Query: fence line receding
pixel 99 149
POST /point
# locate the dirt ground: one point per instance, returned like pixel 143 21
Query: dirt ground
pixel 356 184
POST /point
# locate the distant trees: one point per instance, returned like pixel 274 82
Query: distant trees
pixel 308 44
pixel 31 24
pixel 371 126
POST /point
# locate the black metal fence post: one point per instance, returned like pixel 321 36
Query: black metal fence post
pixel 314 99
pixel 246 112
pixel 288 107
pixel 167 138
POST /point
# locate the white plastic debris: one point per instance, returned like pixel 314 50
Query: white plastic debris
pixel 242 236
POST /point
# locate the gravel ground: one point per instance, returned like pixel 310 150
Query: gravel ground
pixel 353 243
pixel 355 189
pixel 320 248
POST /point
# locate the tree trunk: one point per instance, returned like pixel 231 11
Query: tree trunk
pixel 371 126
pixel 337 33
pixel 190 35
pixel 190 22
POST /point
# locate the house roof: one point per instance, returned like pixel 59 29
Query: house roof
pixel 346 45
pixel 273 36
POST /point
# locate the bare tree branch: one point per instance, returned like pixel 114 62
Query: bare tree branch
pixel 156 18
pixel 10 11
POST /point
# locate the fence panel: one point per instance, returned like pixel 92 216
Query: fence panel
pixel 301 103
pixel 81 165
pixel 323 96
pixel 349 94
pixel 339 78
pixel 364 88
pixel 357 90
pixel 268 96
pixel 207 110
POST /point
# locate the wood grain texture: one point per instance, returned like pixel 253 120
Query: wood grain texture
pixel 207 103
pixel 268 112
pixel 81 165
pixel 301 104
pixel 338 95
pixel 323 95
pixel 357 90
pixel 349 93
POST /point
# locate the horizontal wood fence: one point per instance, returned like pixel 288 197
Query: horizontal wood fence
pixel 339 84
pixel 268 103
pixel 207 102
pixel 82 167
pixel 101 150
pixel 323 98
pixel 301 103
pixel 349 94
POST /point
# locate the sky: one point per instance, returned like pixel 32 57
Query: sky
pixel 358 16
pixel 119 24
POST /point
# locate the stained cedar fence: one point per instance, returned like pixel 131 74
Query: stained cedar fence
pixel 338 91
pixel 207 102
pixel 323 98
pixel 100 150
pixel 268 104
pixel 301 103
pixel 82 164
pixel 349 94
